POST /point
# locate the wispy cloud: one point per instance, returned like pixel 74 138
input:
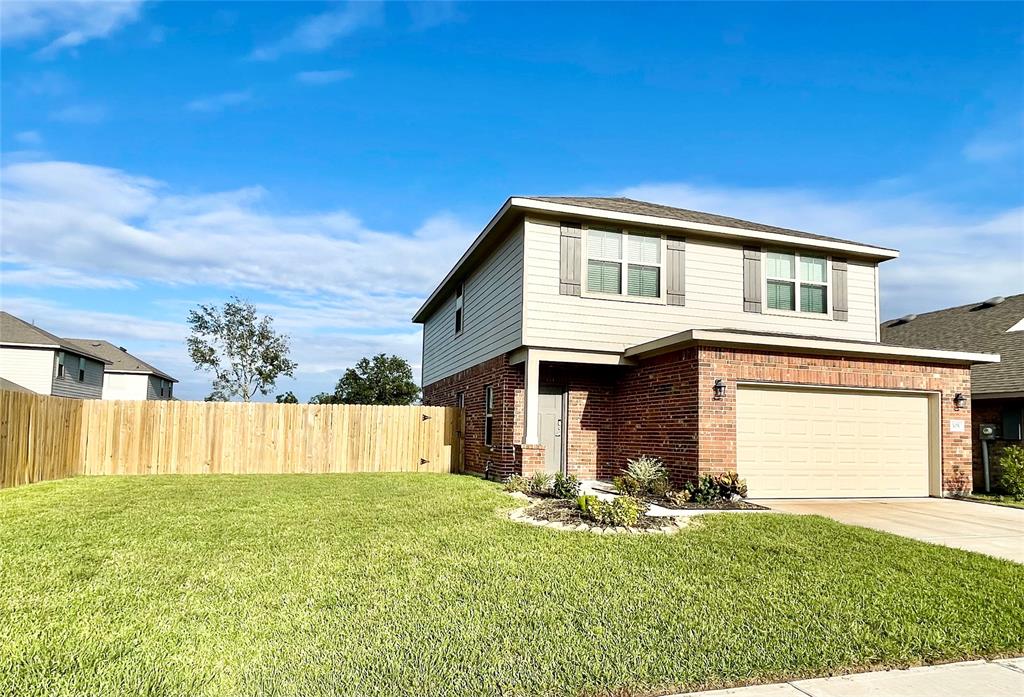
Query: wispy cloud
pixel 80 113
pixel 426 15
pixel 1003 140
pixel 65 24
pixel 28 137
pixel 219 102
pixel 950 255
pixel 322 77
pixel 319 32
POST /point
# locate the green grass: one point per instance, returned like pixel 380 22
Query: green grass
pixel 997 499
pixel 416 585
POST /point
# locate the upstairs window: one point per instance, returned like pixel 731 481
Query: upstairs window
pixel 612 254
pixel 60 364
pixel 458 309
pixel 797 282
pixel 81 369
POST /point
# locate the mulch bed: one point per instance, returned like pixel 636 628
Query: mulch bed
pixel 562 511
pixel 718 506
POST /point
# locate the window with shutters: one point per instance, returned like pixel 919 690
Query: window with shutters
pixel 796 282
pixel 623 263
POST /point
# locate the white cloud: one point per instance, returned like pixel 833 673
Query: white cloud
pixel 80 113
pixel 949 256
pixel 28 137
pixel 319 32
pixel 322 77
pixel 70 23
pixel 992 149
pixel 219 102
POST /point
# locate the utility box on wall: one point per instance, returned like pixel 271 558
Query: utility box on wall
pixel 988 431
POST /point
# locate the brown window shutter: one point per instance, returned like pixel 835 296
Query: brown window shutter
pixel 840 307
pixel 751 279
pixel 570 262
pixel 675 271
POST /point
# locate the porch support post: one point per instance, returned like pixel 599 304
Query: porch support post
pixel 532 368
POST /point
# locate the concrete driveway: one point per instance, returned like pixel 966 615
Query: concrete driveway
pixel 994 530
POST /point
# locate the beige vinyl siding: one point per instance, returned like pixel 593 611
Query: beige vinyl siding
pixel 32 368
pixel 124 386
pixel 69 386
pixel 492 313
pixel 714 300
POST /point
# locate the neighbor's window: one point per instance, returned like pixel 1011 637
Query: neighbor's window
pixel 60 364
pixel 81 369
pixel 162 383
pixel 797 282
pixel 612 254
pixel 488 415
pixel 458 309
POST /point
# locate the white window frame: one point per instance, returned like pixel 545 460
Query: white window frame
pixel 488 415
pixel 460 308
pixel 623 262
pixel 797 282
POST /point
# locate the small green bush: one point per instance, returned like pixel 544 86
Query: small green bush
pixel 622 511
pixel 565 486
pixel 1011 481
pixel 627 486
pixel 516 484
pixel 646 470
pixel 540 483
pixel 678 498
pixel 712 489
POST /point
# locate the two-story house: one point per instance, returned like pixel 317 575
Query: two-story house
pixel 127 376
pixel 579 332
pixel 38 361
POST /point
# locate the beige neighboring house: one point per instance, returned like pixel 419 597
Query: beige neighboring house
pixel 37 361
pixel 126 376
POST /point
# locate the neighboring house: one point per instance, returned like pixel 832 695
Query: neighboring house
pixel 579 332
pixel 126 376
pixel 44 363
pixel 997 390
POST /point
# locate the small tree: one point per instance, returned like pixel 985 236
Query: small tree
pixel 242 350
pixel 380 380
pixel 287 398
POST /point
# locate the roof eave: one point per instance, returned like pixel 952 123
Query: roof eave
pixel 807 345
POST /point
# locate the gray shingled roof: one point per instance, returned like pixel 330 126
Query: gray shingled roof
pixel 628 205
pixel 14 330
pixel 120 360
pixel 973 327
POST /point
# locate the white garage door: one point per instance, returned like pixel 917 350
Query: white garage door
pixel 807 443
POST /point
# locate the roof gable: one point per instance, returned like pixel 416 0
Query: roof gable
pixel 120 361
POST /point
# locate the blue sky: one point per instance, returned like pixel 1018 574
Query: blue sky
pixel 329 161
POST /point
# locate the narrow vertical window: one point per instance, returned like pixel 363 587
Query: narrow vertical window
pixel 458 309
pixel 81 369
pixel 488 415
pixel 60 364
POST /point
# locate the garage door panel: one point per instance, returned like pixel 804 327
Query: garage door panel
pixel 795 442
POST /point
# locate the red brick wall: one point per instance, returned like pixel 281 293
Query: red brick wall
pixel 718 419
pixel 498 460
pixel 990 411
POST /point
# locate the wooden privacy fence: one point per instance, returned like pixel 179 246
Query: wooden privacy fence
pixel 51 437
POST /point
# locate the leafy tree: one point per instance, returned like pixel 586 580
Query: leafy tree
pixel 242 350
pixel 380 380
pixel 287 398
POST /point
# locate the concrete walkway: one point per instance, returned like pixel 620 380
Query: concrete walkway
pixel 1003 678
pixel 978 527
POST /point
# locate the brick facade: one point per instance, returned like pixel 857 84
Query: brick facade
pixel 665 407
pixel 990 411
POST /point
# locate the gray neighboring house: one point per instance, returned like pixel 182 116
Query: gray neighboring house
pixel 126 376
pixel 41 362
pixel 997 389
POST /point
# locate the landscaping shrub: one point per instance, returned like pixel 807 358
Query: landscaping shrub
pixel 540 483
pixel 643 476
pixel 623 511
pixel 627 486
pixel 565 486
pixel 678 498
pixel 1011 481
pixel 713 489
pixel 516 484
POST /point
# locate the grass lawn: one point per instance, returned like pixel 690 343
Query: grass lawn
pixel 416 585
pixel 996 499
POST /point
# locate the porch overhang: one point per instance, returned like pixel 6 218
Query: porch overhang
pixel 786 343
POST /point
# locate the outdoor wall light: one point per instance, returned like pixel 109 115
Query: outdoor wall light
pixel 719 388
pixel 959 401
